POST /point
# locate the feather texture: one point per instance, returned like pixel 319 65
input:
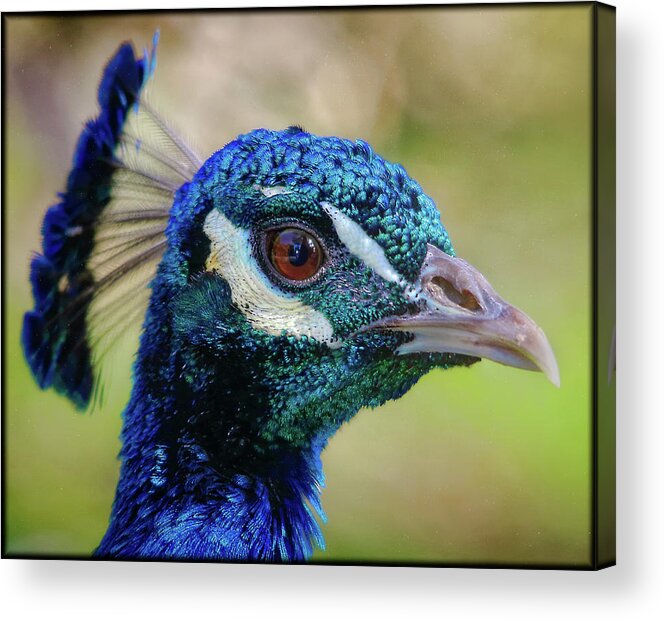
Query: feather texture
pixel 103 240
pixel 242 373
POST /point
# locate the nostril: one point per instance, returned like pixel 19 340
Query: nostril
pixel 444 292
pixel 469 301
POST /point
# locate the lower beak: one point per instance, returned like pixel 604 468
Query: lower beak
pixel 462 313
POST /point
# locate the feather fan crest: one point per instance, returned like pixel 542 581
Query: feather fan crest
pixel 103 241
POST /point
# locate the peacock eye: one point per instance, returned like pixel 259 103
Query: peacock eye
pixel 294 253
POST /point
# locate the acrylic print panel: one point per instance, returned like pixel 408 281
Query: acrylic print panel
pixel 282 258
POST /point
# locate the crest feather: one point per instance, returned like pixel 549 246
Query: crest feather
pixel 103 240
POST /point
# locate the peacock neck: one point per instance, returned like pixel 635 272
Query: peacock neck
pixel 194 484
pixel 175 499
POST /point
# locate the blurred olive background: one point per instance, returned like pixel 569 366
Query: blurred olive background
pixel 489 109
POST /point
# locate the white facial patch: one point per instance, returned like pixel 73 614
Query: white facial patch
pixel 275 190
pixel 364 248
pixel 266 307
pixel 361 245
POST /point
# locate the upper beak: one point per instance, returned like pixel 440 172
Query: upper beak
pixel 462 313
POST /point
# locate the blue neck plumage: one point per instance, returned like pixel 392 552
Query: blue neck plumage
pixel 192 484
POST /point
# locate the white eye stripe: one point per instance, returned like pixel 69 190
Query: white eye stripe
pixel 266 307
pixel 361 245
pixel 366 249
pixel 275 190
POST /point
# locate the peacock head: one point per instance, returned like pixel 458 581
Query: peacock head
pixel 291 280
pixel 307 277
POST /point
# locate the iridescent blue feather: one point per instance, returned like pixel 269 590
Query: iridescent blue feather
pixel 228 416
pixel 56 337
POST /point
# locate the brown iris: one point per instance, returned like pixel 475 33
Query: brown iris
pixel 294 253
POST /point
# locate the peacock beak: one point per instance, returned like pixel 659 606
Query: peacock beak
pixel 462 313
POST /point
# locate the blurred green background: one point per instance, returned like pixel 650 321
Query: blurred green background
pixel 489 109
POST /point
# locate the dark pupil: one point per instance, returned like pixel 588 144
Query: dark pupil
pixel 299 249
pixel 294 253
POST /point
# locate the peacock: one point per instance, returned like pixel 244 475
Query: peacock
pixel 284 283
